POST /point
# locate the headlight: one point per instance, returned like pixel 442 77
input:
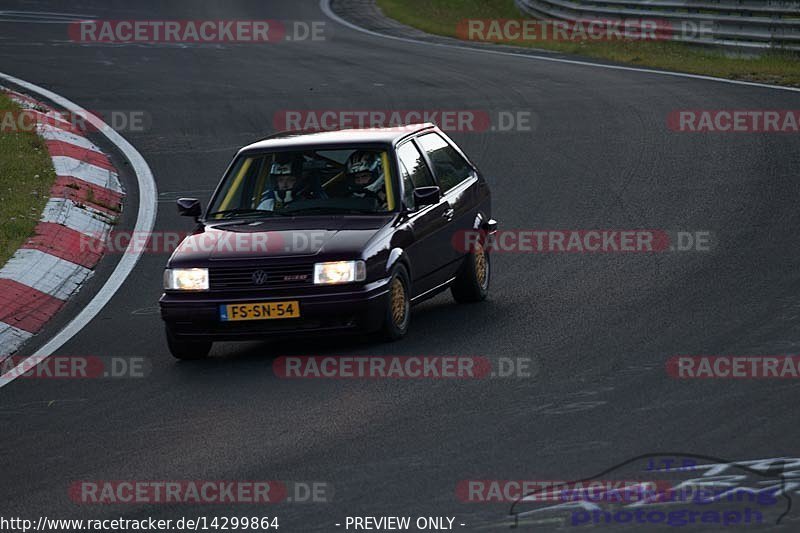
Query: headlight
pixel 339 272
pixel 186 279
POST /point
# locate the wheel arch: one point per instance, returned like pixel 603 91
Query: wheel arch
pixel 397 256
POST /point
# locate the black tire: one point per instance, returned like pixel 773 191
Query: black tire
pixel 396 321
pixel 472 282
pixel 187 350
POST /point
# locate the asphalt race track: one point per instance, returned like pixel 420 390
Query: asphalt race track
pixel 599 326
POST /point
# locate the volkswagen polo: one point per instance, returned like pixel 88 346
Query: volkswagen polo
pixel 329 232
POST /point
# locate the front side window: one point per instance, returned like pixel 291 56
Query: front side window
pixel 448 165
pixel 307 182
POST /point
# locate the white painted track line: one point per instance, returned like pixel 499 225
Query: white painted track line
pixel 325 5
pixel 145 220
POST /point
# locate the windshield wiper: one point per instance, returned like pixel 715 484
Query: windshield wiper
pixel 239 211
pixel 332 210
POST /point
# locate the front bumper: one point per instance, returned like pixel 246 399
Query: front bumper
pixel 196 315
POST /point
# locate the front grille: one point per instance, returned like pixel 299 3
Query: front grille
pixel 261 277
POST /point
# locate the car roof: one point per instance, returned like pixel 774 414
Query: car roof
pixel 300 140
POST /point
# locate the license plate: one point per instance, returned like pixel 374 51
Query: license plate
pixel 259 311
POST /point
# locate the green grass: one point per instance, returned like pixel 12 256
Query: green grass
pixel 441 17
pixel 26 176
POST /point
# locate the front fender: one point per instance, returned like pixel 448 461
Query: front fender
pixel 397 256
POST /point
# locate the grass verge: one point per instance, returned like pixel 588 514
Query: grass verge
pixel 441 17
pixel 26 176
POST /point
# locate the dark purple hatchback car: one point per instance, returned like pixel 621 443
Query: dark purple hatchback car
pixel 326 233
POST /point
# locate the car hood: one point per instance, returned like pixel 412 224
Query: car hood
pixel 273 238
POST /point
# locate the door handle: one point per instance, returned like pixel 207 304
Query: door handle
pixel 449 213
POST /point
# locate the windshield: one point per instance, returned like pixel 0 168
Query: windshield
pixel 308 182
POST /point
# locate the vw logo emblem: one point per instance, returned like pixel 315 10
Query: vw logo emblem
pixel 259 277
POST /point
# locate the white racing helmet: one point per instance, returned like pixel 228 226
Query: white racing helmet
pixel 292 166
pixel 361 162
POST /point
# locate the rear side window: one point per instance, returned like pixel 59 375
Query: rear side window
pixel 448 165
pixel 412 163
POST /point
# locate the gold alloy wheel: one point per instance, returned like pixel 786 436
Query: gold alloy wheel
pixel 481 266
pixel 399 304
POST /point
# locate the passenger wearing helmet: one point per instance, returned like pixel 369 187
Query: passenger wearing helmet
pixel 286 184
pixel 365 176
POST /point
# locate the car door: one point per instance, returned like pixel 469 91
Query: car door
pixel 458 182
pixel 426 224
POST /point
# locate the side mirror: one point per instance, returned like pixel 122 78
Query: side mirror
pixel 426 195
pixel 189 207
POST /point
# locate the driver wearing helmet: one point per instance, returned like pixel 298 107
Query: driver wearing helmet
pixel 365 176
pixel 287 184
